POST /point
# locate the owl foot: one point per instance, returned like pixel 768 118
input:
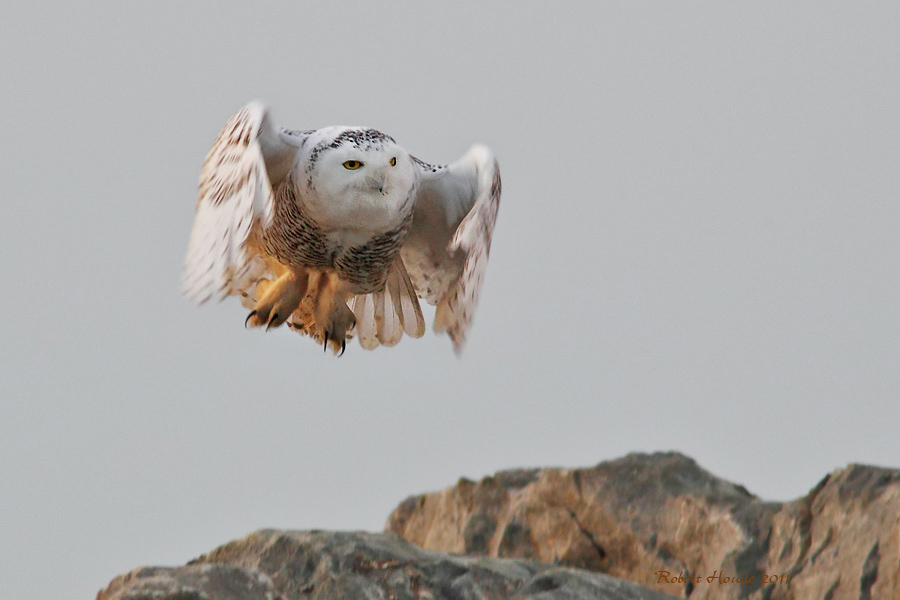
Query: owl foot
pixel 335 325
pixel 279 299
pixel 332 316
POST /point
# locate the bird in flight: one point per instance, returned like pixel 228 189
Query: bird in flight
pixel 338 232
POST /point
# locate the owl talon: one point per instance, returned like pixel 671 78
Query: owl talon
pixel 332 317
pixel 278 299
pixel 335 332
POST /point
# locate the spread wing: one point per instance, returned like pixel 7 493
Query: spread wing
pixel 248 157
pixel 447 250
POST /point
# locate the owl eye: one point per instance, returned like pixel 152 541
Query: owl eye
pixel 393 161
pixel 352 164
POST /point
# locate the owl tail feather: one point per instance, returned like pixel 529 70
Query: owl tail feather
pixel 383 317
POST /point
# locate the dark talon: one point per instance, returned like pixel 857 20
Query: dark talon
pixel 325 345
pixel 274 317
pixel 247 320
pixel 343 347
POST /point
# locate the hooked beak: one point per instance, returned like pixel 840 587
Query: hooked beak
pixel 377 182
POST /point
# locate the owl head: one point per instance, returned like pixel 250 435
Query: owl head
pixel 358 166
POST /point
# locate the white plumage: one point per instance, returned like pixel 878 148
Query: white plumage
pixel 338 231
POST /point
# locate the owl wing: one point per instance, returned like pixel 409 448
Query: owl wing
pixel 236 182
pixel 447 250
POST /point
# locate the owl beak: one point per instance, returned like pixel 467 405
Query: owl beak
pixel 378 182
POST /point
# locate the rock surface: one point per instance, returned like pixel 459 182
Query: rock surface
pixel 290 565
pixel 641 515
pixel 656 520
pixel 200 582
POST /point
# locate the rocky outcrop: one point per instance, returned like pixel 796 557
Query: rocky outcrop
pixel 290 565
pixel 662 521
pixel 193 582
pixel 631 529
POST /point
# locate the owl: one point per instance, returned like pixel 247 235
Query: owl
pixel 337 232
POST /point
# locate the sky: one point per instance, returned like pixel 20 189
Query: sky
pixel 696 250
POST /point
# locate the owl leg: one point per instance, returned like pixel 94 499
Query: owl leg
pixel 333 318
pixel 279 299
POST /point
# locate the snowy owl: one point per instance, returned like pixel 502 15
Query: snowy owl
pixel 338 231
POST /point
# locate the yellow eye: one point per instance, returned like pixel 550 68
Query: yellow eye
pixel 352 164
pixel 394 161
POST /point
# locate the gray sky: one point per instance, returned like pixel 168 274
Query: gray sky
pixel 697 250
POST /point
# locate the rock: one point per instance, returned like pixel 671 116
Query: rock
pixel 200 582
pixel 843 539
pixel 289 565
pixel 663 522
pixel 656 520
